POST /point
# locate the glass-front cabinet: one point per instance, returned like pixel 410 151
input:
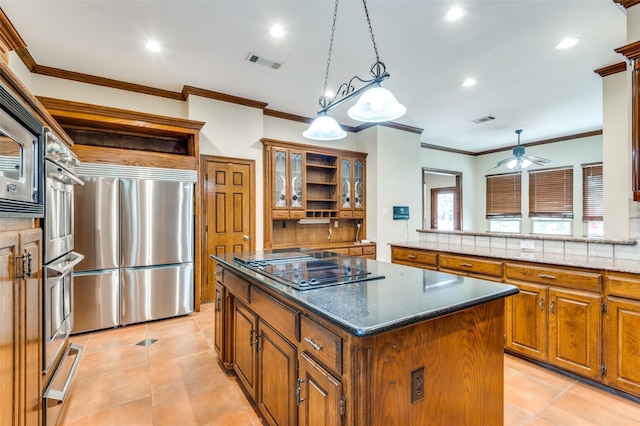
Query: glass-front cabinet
pixel 352 182
pixel 288 184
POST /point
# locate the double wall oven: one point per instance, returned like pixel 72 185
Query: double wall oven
pixel 60 358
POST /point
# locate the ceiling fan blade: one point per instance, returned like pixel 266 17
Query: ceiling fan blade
pixel 505 161
pixel 538 160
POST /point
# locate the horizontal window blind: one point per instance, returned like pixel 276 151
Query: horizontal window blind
pixel 592 195
pixel 504 196
pixel 551 193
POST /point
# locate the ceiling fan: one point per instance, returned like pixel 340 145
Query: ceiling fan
pixel 521 161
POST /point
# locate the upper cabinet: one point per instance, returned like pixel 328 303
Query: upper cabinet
pixel 322 185
pixel 288 183
pixel 352 196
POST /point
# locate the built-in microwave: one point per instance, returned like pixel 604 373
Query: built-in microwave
pixel 21 159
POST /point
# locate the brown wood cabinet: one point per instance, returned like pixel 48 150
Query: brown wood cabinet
pixel 20 327
pixel 622 351
pixel 300 369
pixel 313 183
pixel 414 257
pixel 564 320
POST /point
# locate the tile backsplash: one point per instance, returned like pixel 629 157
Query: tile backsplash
pixel 615 249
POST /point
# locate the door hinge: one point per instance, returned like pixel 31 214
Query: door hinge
pixel 343 403
pixel 604 307
pixel 603 370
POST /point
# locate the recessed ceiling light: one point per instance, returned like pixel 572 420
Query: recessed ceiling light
pixel 153 46
pixel 277 31
pixel 469 82
pixel 454 14
pixel 567 43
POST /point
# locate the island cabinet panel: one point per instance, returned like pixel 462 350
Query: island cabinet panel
pixel 245 336
pixel 276 376
pixel 236 285
pixel 526 321
pixel 558 277
pixel 320 397
pixel 462 357
pixel 281 317
pixel 471 266
pixel 574 331
pixel 414 257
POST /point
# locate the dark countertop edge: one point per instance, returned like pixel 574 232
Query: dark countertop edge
pixel 371 331
pixel 533 237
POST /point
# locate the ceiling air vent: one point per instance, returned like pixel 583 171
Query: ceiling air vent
pixel 252 57
pixel 483 119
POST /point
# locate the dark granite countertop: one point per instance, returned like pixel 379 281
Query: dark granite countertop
pixel 405 296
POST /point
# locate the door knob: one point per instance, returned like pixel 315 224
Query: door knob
pixel 245 237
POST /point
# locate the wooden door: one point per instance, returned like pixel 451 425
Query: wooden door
pixel 623 345
pixel 526 324
pixel 276 377
pixel 228 213
pixel 244 341
pixel 320 395
pixel 574 331
pixel 30 242
pixel 8 328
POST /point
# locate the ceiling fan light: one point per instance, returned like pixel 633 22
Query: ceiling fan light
pixel 376 105
pixel 512 164
pixel 524 163
pixel 324 128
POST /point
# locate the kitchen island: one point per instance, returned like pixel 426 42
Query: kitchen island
pixel 410 346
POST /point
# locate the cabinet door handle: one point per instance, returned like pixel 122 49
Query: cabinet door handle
pixel 541 304
pixel 218 303
pixel 258 348
pixel 547 277
pixel 411 256
pixel 298 392
pixel 314 345
pixel 553 307
pixel 467 265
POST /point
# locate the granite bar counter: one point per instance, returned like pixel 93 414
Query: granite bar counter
pixel 405 295
pixel 414 347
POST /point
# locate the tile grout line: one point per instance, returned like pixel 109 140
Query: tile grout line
pixel 551 401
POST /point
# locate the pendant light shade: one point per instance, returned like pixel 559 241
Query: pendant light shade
pixel 324 128
pixel 376 105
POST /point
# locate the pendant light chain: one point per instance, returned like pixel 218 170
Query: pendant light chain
pixel 373 40
pixel 326 74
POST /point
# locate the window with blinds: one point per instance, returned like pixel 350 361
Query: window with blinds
pixel 551 193
pixel 504 196
pixel 592 196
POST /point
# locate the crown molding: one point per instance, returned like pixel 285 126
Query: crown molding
pixel 391 125
pixel 196 91
pixel 8 33
pixel 545 141
pixel 627 3
pixel 611 69
pixel 630 51
pixel 445 149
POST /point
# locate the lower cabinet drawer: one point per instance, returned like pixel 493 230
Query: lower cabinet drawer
pixel 470 265
pixel 237 286
pixel 369 250
pixel 355 251
pixel 282 318
pixel 413 257
pixel 623 285
pixel 580 280
pixel 280 214
pixel 297 214
pixel 321 344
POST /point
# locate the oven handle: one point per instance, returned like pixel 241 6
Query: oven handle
pixel 64 267
pixel 63 175
pixel 59 395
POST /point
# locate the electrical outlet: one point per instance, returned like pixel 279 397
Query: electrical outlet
pixel 335 223
pixel 417 384
pixel 527 244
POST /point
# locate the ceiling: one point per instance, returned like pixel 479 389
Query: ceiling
pixel 506 45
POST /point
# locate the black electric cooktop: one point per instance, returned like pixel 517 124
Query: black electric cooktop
pixel 304 272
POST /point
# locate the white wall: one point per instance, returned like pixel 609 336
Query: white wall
pixel 573 153
pixel 633 24
pixel 466 164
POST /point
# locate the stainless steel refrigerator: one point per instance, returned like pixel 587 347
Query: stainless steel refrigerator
pixel 136 226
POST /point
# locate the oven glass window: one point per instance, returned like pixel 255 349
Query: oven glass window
pixel 56 297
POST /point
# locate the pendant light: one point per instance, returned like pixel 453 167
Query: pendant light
pixel 376 104
pixel 519 160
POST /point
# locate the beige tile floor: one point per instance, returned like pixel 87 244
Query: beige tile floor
pixel 177 381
